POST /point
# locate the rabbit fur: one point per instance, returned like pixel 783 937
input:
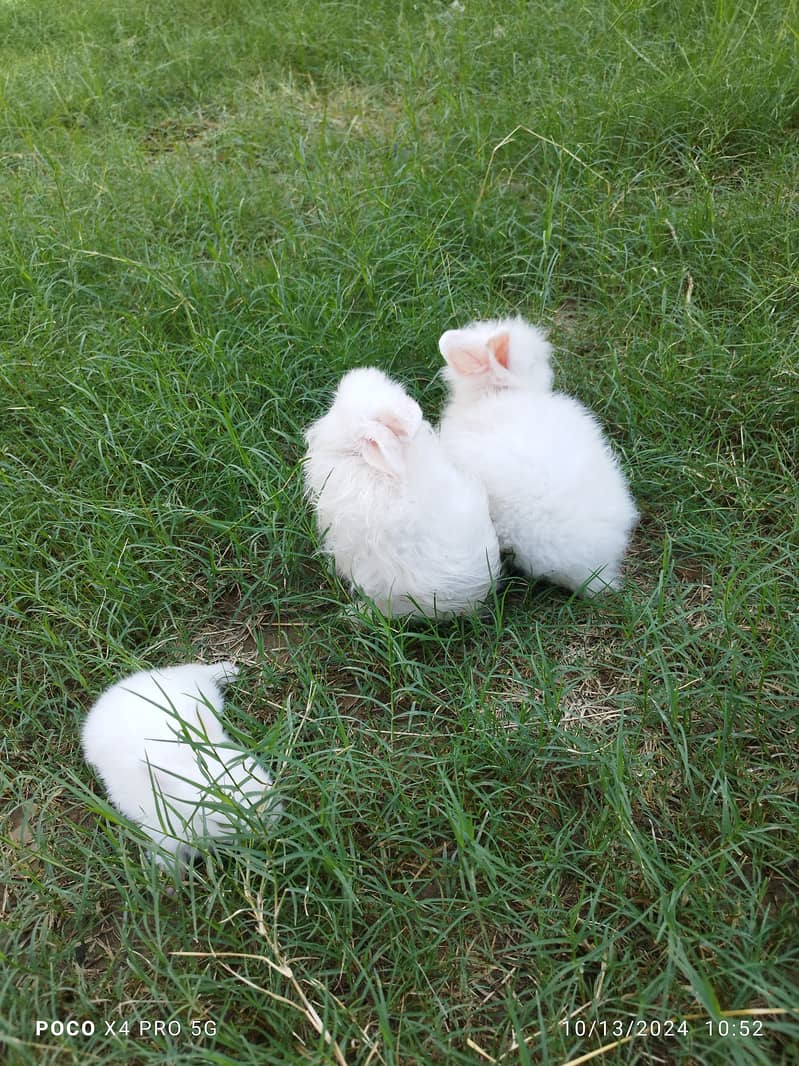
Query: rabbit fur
pixel 405 526
pixel 557 495
pixel 156 742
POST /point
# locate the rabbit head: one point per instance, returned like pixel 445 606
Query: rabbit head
pixel 372 417
pixel 497 355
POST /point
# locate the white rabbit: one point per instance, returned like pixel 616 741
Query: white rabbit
pixel 557 495
pixel 155 740
pixel 405 526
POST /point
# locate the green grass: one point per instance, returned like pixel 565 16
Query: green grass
pixel 559 810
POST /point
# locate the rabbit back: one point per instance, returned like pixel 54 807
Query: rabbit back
pixel 557 496
pixel 157 744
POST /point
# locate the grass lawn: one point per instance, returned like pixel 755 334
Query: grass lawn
pixel 559 828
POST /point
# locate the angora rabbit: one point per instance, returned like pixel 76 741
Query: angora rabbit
pixel 557 495
pixel 405 527
pixel 156 742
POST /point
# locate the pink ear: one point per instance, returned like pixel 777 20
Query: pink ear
pixel 382 450
pixel 464 352
pixel 404 420
pixel 499 346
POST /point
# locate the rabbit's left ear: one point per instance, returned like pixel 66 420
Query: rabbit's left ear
pixel 381 448
pixel 464 352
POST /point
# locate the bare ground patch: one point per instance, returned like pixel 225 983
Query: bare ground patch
pixel 247 637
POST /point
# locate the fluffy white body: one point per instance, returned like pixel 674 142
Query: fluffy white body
pixel 406 527
pixel 556 492
pixel 156 742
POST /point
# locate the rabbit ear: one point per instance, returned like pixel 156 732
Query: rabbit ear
pixel 381 448
pixel 464 351
pixel 499 346
pixel 403 420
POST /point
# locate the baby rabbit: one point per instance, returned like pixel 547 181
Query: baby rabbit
pixel 156 742
pixel 405 527
pixel 556 493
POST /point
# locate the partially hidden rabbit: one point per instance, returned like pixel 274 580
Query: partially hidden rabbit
pixel 405 526
pixel 556 492
pixel 156 742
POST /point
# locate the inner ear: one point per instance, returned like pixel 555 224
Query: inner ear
pixel 499 346
pixel 395 424
pixel 382 450
pixel 468 362
pixel 403 420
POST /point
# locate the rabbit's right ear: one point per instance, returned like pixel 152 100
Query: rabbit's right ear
pixel 403 419
pixel 464 351
pixel 381 448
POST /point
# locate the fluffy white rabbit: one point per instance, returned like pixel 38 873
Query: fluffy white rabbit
pixel 557 495
pixel 405 526
pixel 156 742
